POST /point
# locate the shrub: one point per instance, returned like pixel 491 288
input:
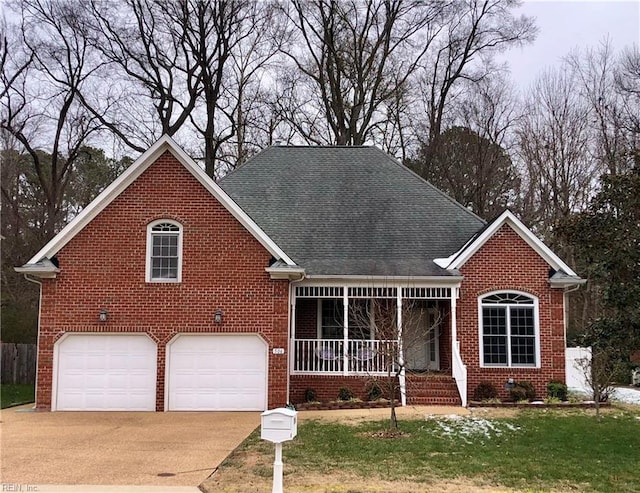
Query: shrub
pixel 557 390
pixel 523 391
pixel 518 394
pixel 374 392
pixel 345 394
pixel 485 391
pixel 310 395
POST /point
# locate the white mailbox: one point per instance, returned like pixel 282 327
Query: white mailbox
pixel 279 425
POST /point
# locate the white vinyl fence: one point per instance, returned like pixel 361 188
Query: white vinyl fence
pixel 574 372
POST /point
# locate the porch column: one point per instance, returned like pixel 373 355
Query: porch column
pixel 401 377
pixel 454 322
pixel 345 331
pixel 292 335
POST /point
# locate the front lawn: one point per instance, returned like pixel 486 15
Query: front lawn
pixel 15 394
pixel 535 450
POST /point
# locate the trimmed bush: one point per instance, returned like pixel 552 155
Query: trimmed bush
pixel 557 390
pixel 310 395
pixel 485 391
pixel 345 394
pixel 374 392
pixel 523 391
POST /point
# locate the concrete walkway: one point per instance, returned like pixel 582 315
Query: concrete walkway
pixel 117 448
pixel 39 488
pixel 346 415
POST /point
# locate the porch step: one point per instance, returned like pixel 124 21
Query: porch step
pixel 432 389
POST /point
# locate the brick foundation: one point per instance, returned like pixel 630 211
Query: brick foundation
pixel 327 387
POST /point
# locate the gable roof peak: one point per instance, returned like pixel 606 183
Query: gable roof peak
pixel 507 217
pixel 120 184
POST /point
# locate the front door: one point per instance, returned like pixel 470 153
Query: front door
pixel 421 339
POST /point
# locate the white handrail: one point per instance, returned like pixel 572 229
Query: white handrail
pixel 460 373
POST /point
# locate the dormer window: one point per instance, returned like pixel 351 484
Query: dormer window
pixel 164 251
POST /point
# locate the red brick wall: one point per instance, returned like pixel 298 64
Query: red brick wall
pixel 223 267
pixel 506 262
pixel 306 318
pixel 327 387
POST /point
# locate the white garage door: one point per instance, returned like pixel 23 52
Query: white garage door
pixel 106 373
pixel 217 373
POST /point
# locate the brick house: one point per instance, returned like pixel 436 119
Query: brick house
pixel 306 268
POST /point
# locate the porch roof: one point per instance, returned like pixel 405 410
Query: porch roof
pixel 350 210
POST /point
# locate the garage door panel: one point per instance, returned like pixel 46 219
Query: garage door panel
pixel 217 372
pixel 106 372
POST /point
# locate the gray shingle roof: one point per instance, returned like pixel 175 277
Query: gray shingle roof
pixel 350 211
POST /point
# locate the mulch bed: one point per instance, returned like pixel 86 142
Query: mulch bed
pixel 327 406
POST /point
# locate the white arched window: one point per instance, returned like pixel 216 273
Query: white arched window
pixel 509 330
pixel 164 251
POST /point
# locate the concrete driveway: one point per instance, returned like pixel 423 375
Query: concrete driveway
pixel 125 448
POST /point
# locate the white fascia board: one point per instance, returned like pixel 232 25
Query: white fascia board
pixel 507 217
pixel 165 143
pixel 292 273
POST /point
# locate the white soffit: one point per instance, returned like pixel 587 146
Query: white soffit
pixel 165 143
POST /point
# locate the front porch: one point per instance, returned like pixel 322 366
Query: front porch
pixel 360 333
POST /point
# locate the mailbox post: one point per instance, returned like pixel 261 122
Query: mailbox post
pixel 277 426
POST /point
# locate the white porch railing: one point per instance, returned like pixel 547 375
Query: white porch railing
pixel 328 356
pixel 460 373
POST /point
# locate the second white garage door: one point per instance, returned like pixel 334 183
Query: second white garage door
pixel 217 373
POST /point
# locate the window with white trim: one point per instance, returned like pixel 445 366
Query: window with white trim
pixel 164 251
pixel 331 319
pixel 508 329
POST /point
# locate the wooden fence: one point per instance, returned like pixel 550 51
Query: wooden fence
pixel 18 363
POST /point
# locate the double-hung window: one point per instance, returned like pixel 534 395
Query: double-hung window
pixel 509 330
pixel 164 251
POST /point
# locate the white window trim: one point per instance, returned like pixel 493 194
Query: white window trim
pixel 150 227
pixel 536 327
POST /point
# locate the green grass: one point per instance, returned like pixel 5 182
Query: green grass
pixel 537 450
pixel 16 394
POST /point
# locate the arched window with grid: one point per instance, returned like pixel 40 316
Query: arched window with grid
pixel 164 251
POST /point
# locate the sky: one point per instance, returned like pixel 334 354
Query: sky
pixel 564 26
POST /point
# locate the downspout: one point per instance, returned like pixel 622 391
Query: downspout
pixel 39 283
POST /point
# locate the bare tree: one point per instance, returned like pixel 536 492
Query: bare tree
pixel 153 81
pixel 351 58
pixel 472 162
pixel 596 71
pixel 627 80
pixel 554 146
pixel 398 343
pixel 41 108
pixel 600 369
pixel 475 30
